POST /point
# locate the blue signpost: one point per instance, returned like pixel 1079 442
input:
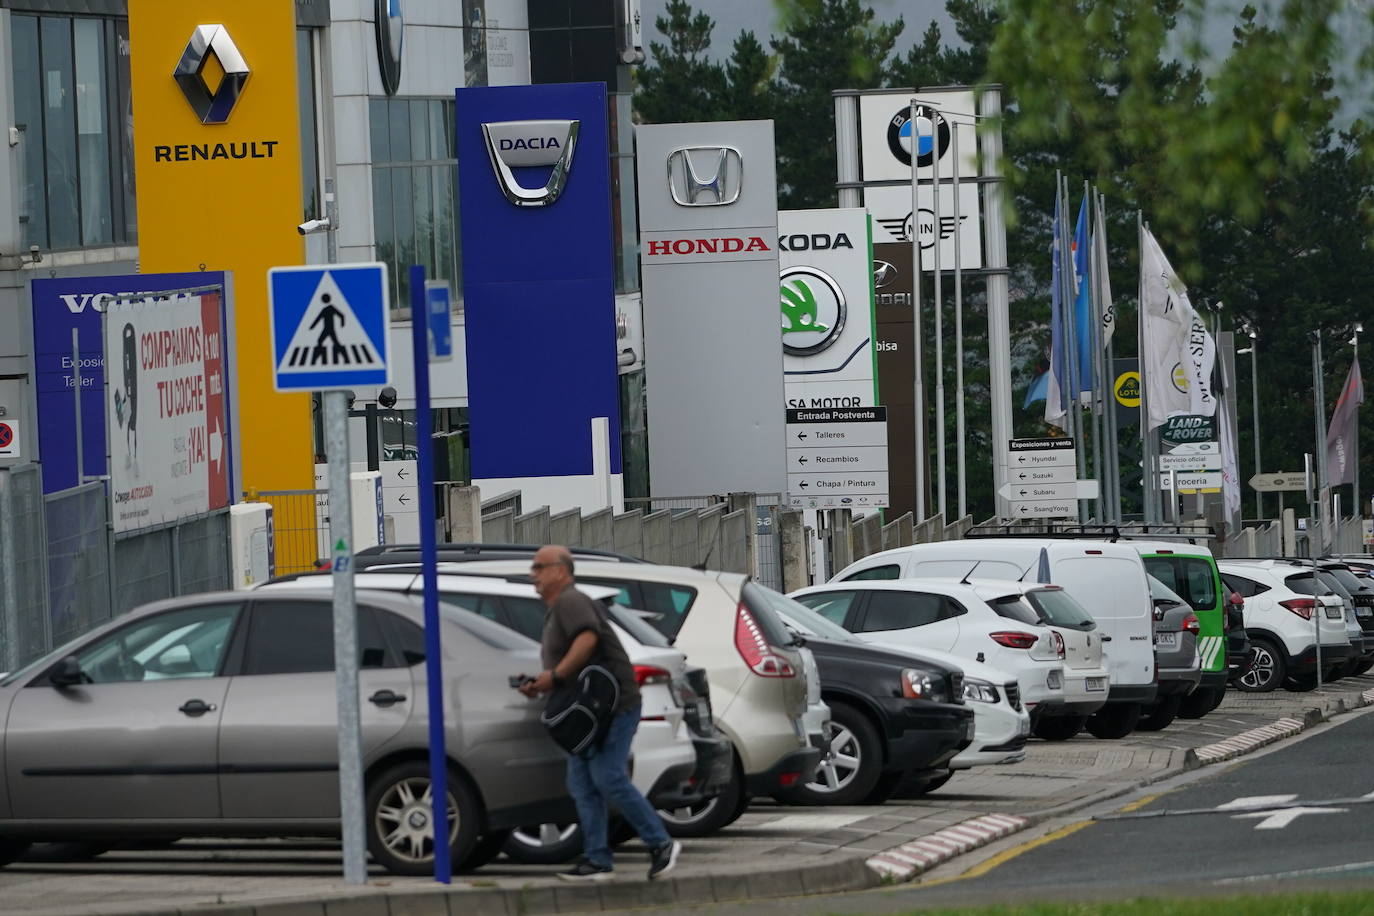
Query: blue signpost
pixel 424 466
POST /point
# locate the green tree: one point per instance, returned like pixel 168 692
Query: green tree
pixel 679 82
pixel 748 76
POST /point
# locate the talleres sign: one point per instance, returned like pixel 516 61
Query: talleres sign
pixel 165 409
pixel 826 308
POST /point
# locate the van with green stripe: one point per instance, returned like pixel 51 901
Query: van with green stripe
pixel 1191 571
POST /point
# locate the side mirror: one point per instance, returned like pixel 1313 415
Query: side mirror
pixel 68 673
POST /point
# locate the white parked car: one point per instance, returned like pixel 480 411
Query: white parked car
pixel 1036 633
pixel 1001 722
pixel 1282 597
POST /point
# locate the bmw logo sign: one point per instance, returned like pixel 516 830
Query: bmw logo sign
pixel 932 143
pixel 813 311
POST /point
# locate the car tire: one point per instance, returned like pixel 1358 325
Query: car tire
pixel 402 791
pixel 1267 668
pixel 852 766
pixel 1058 728
pixel 711 815
pixel 1160 714
pixel 1114 721
pixel 11 849
pixel 885 788
pixel 1200 702
pixel 544 844
pixel 917 786
pixel 487 849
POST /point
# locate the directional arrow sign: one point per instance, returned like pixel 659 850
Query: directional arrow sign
pixel 1046 508
pixel 866 458
pixel 1209 461
pixel 1190 481
pixel 1269 483
pixel 838 484
pixel 1073 489
pixel 1053 474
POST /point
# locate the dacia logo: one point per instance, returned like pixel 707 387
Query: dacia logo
pixel 529 143
pixel 212 106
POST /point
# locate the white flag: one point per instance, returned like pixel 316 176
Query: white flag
pixel 1103 292
pixel 1176 351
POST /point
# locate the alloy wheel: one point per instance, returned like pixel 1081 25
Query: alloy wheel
pixel 1261 673
pixel 404 819
pixel 841 764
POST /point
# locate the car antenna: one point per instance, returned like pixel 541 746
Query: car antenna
pixel 964 581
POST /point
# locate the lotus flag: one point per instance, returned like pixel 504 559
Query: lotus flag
pixel 1176 352
pixel 1343 434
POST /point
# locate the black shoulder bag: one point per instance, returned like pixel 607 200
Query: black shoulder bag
pixel 579 714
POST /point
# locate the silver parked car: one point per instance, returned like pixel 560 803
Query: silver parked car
pixel 215 714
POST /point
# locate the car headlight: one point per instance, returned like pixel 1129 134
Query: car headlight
pixel 919 685
pixel 981 691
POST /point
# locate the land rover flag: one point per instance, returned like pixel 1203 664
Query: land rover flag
pixel 1341 435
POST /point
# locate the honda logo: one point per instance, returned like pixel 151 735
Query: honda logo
pixel 522 144
pixel 693 186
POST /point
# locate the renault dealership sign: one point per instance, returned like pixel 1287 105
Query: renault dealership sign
pixel 708 215
pixel 826 303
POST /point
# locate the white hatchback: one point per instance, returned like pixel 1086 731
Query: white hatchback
pixel 1036 633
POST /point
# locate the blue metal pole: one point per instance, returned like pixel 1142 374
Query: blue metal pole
pixel 438 758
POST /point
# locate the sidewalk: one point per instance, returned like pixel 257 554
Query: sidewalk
pixel 771 851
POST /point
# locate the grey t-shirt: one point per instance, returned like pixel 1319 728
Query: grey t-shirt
pixel 573 612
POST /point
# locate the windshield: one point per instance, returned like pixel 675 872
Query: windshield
pixel 1351 581
pixel 1057 607
pixel 1159 591
pixel 802 618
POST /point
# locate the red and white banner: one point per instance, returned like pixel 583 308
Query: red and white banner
pixel 169 449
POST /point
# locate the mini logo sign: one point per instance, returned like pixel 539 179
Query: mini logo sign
pixel 813 311
pixel 524 144
pixel 693 186
pixel 212 107
pixel 390 38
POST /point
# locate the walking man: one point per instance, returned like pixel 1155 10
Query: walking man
pixel 576 633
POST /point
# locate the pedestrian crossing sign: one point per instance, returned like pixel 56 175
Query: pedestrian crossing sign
pixel 330 327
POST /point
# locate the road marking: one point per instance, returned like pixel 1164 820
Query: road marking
pixel 1325 870
pixel 818 822
pixel 1142 802
pixel 1277 820
pixel 987 865
pixel 1257 801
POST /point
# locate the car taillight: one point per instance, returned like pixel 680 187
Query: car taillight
pixel 648 674
pixel 1015 640
pixel 754 648
pixel 1190 623
pixel 1303 607
pixel 1058 643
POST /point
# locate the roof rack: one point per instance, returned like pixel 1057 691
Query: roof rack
pixel 478 549
pixel 1112 533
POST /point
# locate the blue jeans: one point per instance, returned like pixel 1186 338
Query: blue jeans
pixel 602 778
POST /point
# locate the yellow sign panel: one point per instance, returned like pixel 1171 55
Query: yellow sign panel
pixel 1127 389
pixel 218 159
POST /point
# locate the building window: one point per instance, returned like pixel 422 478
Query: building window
pixel 72 101
pixel 310 146
pixel 414 192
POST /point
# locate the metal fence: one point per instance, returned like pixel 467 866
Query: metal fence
pixel 300 519
pixel 24 628
pixel 78 541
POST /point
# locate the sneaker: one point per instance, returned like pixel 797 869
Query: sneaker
pixel 588 871
pixel 663 859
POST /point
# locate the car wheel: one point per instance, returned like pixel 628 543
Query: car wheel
pixel 400 827
pixel 916 786
pixel 544 844
pixel 1058 728
pixel 11 849
pixel 885 788
pixel 1114 721
pixel 487 849
pixel 709 816
pixel 1200 702
pixel 851 768
pixel 1267 668
pixel 1160 714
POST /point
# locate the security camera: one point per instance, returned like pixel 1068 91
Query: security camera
pixel 387 397
pixel 34 256
pixel 314 225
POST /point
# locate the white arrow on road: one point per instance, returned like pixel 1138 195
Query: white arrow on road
pixel 1273 820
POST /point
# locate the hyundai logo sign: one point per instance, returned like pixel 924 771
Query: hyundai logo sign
pixel 705 176
pixel 524 144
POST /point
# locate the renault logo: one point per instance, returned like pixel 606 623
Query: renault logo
pixel 211 106
pixel 522 144
pixel 693 186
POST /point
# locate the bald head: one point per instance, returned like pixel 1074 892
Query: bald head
pixel 551 571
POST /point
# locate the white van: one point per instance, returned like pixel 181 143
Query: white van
pixel 1107 579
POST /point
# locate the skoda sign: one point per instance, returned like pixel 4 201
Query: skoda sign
pixel 390 39
pixel 526 144
pixel 207 40
pixel 813 311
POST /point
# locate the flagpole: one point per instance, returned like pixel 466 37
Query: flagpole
pixel 1112 479
pixel 1319 403
pixel 1070 306
pixel 940 433
pixel 1095 328
pixel 919 458
pixel 960 458
pixel 1148 483
pixel 1355 446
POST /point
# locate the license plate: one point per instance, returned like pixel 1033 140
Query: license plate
pixel 1166 640
pixel 1095 683
pixel 1335 613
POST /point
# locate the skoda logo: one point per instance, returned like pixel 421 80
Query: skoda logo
pixel 390 38
pixel 813 311
pixel 211 107
pixel 883 274
pixel 931 145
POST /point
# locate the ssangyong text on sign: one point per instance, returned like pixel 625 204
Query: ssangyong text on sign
pixel 165 409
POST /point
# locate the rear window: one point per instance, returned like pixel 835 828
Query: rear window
pixel 1246 588
pixel 970 568
pixel 1015 607
pixel 1351 581
pixel 1191 578
pixel 891 571
pixel 1058 608
pixel 669 602
pixel 1333 584
pixel 631 622
pixel 1304 584
pixel 760 602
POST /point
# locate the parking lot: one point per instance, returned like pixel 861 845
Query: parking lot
pixel 771 851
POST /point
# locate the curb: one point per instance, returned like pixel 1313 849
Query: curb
pixel 910 860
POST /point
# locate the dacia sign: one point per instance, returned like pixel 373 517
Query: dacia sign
pixel 826 288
